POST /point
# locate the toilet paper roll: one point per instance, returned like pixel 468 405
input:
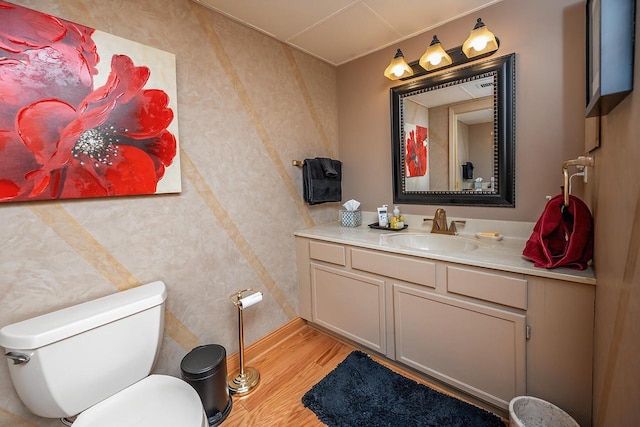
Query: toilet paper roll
pixel 250 300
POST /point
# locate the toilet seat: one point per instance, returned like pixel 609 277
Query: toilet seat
pixel 155 401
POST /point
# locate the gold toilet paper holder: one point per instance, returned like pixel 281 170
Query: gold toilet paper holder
pixel 245 379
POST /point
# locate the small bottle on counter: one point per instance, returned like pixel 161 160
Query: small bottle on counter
pixel 397 220
pixel 382 216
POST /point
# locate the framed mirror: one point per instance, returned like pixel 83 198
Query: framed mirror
pixel 453 137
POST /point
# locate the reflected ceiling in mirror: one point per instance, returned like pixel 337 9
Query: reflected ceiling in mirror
pixel 453 137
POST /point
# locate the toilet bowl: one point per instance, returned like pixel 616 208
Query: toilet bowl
pixel 92 361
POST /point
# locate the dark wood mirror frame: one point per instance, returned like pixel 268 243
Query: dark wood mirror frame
pixel 503 71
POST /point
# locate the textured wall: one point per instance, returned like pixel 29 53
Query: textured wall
pixel 247 106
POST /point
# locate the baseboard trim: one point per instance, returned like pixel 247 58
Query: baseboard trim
pixel 265 343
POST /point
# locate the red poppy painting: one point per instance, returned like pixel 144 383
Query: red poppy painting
pixel 416 150
pixel 83 113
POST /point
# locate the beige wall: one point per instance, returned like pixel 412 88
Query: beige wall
pixel 438 148
pixel 614 194
pixel 247 106
pixel 548 39
pixel 481 150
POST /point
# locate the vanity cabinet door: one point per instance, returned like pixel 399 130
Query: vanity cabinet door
pixel 349 304
pixel 477 349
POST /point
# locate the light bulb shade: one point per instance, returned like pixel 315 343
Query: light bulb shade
pixel 398 67
pixel 435 56
pixel 480 41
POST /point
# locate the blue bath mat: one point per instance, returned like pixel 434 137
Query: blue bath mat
pixel 360 392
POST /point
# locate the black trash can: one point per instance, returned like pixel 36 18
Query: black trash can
pixel 467 170
pixel 205 368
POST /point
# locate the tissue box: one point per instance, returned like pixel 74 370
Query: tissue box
pixel 351 218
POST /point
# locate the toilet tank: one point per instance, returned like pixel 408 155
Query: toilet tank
pixel 83 354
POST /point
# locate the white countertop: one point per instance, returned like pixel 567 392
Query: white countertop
pixel 504 255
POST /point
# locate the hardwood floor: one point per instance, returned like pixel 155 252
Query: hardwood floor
pixel 290 361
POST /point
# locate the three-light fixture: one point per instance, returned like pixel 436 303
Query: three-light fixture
pixel 480 43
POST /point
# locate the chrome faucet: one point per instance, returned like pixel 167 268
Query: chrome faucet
pixel 440 223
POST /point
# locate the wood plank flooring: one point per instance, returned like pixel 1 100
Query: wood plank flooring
pixel 290 361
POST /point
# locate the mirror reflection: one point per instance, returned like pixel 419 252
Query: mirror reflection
pixel 460 120
pixel 448 147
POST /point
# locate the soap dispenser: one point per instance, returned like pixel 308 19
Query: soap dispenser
pixel 398 219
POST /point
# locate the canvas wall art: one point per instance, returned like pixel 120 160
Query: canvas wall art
pixel 416 150
pixel 83 113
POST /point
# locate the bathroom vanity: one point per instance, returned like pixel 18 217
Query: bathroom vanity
pixel 468 311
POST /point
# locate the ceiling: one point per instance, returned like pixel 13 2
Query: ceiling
pixel 475 89
pixel 339 31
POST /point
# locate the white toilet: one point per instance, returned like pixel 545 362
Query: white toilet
pixel 93 360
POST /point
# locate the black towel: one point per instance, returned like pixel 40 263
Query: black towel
pixel 327 167
pixel 322 180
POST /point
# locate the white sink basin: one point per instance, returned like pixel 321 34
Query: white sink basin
pixel 431 242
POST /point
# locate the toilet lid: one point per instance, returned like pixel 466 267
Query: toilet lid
pixel 157 401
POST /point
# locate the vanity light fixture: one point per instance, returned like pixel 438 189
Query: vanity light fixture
pixel 435 57
pixel 398 68
pixel 480 41
pixel 480 44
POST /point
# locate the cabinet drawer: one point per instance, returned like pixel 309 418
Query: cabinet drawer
pixel 414 270
pixel 499 288
pixel 335 254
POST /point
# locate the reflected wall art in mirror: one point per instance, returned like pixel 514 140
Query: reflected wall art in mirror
pixel 453 137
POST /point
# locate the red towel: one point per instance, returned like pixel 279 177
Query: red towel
pixel 563 236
